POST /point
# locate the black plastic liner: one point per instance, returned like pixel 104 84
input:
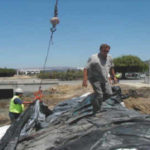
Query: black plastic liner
pixel 28 120
pixel 126 136
pixel 73 126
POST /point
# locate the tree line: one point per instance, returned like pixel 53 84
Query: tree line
pixel 130 63
pixel 66 75
pixel 123 64
pixel 5 72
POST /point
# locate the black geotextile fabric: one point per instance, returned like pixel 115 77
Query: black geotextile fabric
pixel 73 126
pixel 22 124
pixel 132 135
pixel 10 139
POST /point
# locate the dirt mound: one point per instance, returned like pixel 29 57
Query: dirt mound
pixel 139 98
pixel 3 120
pixel 143 92
pixel 139 104
pixel 139 92
pixel 62 92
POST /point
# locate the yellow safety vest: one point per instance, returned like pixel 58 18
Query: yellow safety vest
pixel 118 75
pixel 15 108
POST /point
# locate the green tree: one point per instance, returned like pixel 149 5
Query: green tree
pixel 129 63
pixel 5 72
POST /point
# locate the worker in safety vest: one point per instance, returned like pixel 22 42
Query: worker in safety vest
pixel 118 76
pixel 16 105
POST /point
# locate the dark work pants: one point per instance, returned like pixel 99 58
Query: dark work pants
pixel 102 92
pixel 13 116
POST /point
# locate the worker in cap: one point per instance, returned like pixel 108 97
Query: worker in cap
pixel 16 105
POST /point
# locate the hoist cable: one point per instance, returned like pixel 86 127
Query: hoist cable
pixel 53 29
pixel 56 9
pixel 47 54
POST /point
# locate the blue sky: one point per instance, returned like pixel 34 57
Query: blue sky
pixel 84 25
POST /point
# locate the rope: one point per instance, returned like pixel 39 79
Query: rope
pixel 56 9
pixel 53 29
pixel 47 54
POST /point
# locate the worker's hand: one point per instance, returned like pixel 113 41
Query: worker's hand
pixel 115 80
pixel 27 102
pixel 84 84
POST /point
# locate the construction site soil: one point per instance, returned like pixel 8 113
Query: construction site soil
pixel 139 99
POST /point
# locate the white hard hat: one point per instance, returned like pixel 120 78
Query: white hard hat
pixel 19 90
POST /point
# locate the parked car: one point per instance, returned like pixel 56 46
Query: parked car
pixel 133 75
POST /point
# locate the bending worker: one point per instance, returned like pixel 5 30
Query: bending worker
pixel 16 105
pixel 98 67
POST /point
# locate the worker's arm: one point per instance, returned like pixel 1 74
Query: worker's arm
pixel 112 72
pixel 18 101
pixel 27 102
pixel 85 76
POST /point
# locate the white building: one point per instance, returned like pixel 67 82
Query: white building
pixel 29 71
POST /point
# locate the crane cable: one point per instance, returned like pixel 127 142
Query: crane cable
pixel 54 21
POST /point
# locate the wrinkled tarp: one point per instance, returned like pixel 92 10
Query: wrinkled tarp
pixel 31 118
pixel 67 128
pixel 3 130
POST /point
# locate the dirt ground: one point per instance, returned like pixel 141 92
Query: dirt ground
pixel 51 97
pixel 139 99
